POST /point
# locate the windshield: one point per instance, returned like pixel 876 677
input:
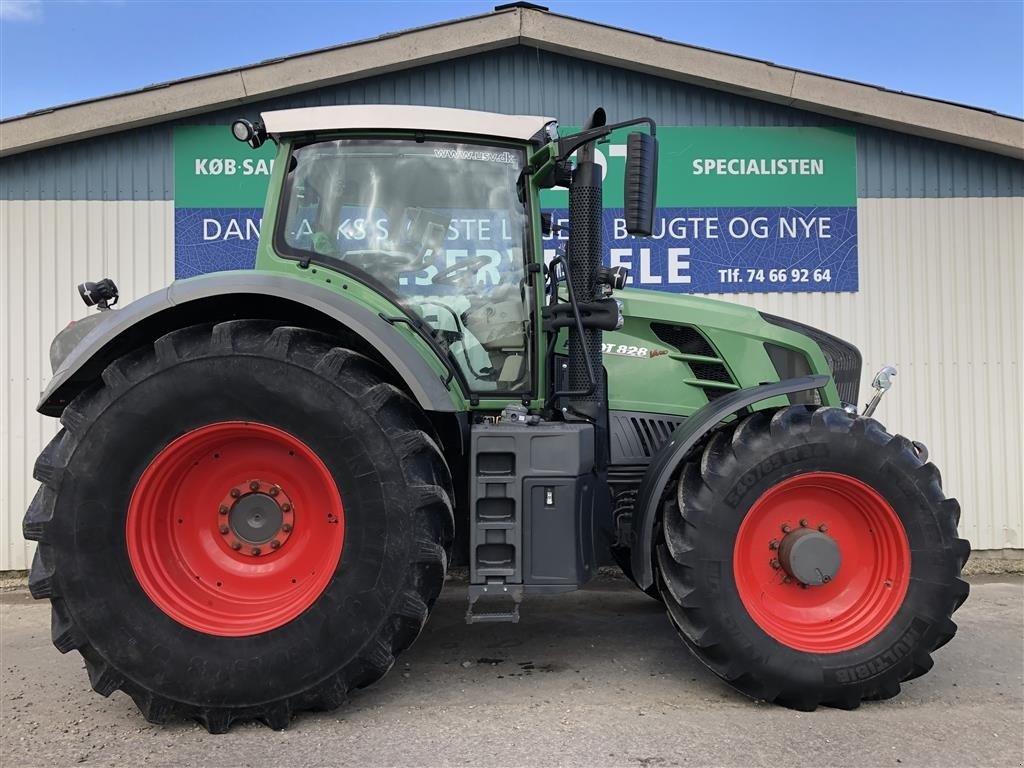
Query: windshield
pixel 439 225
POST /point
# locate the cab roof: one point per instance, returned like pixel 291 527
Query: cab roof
pixel 404 118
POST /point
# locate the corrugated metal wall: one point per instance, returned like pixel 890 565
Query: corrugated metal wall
pixel 137 164
pixel 941 240
pixel 46 249
pixel 940 298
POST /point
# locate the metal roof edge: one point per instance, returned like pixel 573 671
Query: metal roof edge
pixel 754 78
pixel 780 66
pixel 276 77
pixel 230 70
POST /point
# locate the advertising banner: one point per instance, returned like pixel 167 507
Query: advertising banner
pixel 219 188
pixel 739 209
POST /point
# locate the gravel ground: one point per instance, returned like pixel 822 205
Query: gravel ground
pixel 593 678
pixel 993 566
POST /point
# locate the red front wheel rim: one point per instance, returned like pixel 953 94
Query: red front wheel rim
pixel 235 528
pixel 865 592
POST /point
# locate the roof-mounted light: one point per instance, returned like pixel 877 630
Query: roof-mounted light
pixel 252 134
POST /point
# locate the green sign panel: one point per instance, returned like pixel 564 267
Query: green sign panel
pixel 752 167
pixel 214 170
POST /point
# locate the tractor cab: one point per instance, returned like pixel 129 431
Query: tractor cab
pixel 438 226
pixel 438 210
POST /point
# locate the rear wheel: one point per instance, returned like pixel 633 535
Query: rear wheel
pixel 810 557
pixel 240 522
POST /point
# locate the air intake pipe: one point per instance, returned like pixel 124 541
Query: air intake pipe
pixel 584 251
pixel 587 389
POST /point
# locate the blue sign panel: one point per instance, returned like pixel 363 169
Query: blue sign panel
pixel 722 250
pixel 214 239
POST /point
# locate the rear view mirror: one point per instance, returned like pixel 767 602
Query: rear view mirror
pixel 641 183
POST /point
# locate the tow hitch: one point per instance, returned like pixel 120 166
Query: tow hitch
pixel 881 384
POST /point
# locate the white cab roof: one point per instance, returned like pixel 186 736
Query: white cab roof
pixel 402 117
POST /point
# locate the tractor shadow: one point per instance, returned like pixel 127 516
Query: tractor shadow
pixel 608 637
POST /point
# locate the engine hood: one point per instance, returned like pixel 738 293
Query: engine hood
pixel 676 352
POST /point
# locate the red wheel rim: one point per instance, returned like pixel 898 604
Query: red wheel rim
pixel 235 528
pixel 866 591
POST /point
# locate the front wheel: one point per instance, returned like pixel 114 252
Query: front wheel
pixel 238 522
pixel 810 557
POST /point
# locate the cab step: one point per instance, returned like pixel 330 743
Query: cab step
pixel 503 592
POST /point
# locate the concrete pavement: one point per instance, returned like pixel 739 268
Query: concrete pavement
pixel 592 678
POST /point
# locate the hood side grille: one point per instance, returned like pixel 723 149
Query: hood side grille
pixel 709 371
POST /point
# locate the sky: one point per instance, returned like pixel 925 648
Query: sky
pixel 54 51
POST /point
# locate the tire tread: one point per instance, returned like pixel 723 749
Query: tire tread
pixel 691 511
pixel 422 464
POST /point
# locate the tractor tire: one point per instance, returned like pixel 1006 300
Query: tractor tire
pixel 239 522
pixel 803 630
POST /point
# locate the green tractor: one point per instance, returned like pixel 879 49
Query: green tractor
pixel 263 475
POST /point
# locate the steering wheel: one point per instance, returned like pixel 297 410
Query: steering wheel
pixel 381 262
pixel 454 272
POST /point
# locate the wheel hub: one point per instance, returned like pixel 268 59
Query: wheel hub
pixel 259 518
pixel 255 519
pixel 810 556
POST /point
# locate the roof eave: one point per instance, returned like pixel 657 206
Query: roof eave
pixel 843 99
pixel 184 98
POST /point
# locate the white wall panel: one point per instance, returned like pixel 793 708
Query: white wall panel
pixel 46 249
pixel 940 296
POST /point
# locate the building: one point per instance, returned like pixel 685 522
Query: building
pixel 929 198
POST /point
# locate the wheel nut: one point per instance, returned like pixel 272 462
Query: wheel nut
pixel 255 550
pixel 223 529
pixel 274 490
pixel 773 544
pixel 786 528
pixel 275 544
pixel 287 527
pixel 803 523
pixel 286 507
pixel 254 485
pixel 775 564
pixel 825 579
pixel 822 527
pixel 786 580
pixel 223 510
pixel 236 545
pixel 235 493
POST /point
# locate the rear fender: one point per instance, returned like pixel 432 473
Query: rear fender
pixel 229 295
pixel 666 462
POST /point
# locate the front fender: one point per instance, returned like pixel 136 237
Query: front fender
pixel 145 320
pixel 665 463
